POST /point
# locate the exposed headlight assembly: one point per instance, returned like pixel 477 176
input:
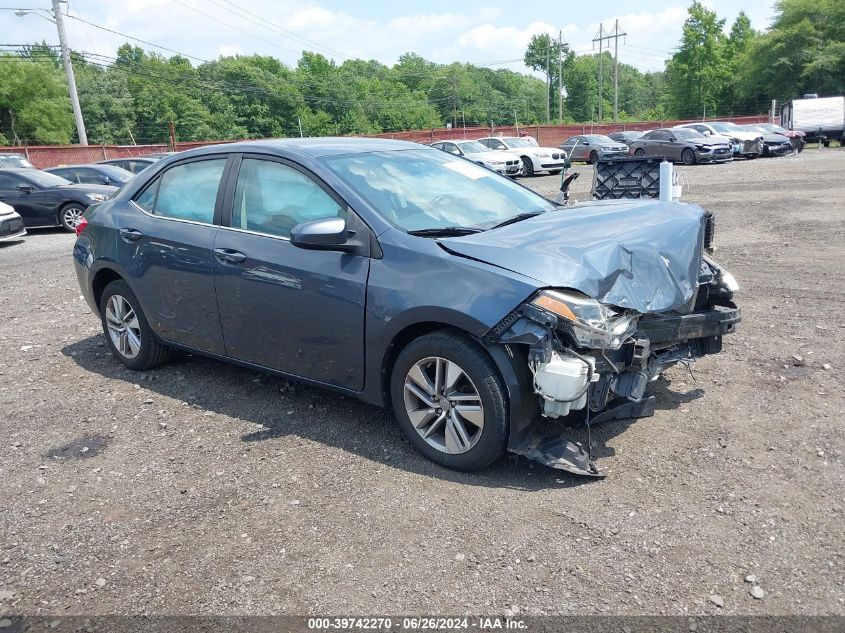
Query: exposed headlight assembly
pixel 96 197
pixel 590 323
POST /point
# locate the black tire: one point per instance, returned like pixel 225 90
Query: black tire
pixel 527 167
pixel 485 377
pixel 688 156
pixel 68 215
pixel 152 351
pixel 555 172
pixel 639 152
pixel 594 157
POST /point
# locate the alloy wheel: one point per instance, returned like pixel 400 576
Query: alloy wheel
pixel 123 326
pixel 72 216
pixel 444 405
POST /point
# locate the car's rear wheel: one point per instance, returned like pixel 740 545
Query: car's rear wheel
pixel 127 332
pixel 70 216
pixel 450 401
pixel 688 156
pixel 639 152
pixel 594 157
pixel 527 169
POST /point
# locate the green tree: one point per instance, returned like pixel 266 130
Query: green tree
pixel 803 51
pixel 696 74
pixel 542 55
pixel 34 102
pixel 736 49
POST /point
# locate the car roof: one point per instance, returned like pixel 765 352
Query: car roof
pixel 313 147
pixel 23 171
pixel 72 166
pixel 114 160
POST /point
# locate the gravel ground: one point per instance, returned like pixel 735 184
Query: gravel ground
pixel 202 488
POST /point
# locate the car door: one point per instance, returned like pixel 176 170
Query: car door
pixel 67 173
pixel 88 176
pixel 451 148
pixel 570 146
pixel 283 307
pixel 672 147
pixel 165 237
pixel 29 203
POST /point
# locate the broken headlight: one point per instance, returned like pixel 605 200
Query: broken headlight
pixel 590 323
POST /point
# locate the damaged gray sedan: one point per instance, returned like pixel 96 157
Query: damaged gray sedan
pixel 409 278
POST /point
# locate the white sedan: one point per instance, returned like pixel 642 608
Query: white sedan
pixel 11 224
pixel 504 163
pixel 533 158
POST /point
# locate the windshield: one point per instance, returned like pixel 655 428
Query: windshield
pixel 429 189
pixel 518 142
pixel 117 174
pixel 771 127
pixel 599 138
pixel 473 147
pixel 44 180
pixel 722 127
pixel 15 161
pixel 686 133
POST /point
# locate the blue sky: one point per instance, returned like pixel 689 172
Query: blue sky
pixel 483 32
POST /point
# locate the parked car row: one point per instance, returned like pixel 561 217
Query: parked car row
pixel 508 155
pixel 688 143
pixel 59 196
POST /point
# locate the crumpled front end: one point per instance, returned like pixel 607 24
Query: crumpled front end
pixel 591 362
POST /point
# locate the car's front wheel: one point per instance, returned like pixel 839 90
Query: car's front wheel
pixel 127 332
pixel 639 152
pixel 450 401
pixel 688 156
pixel 70 216
pixel 527 168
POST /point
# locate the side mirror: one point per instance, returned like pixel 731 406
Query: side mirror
pixel 328 234
pixel 25 188
pixel 106 180
pixel 706 132
pixel 672 139
pixel 585 142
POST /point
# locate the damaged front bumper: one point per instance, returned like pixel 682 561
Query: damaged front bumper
pixel 586 379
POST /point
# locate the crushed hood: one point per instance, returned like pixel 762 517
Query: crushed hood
pixel 640 255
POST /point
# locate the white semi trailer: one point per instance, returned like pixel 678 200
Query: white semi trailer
pixel 820 118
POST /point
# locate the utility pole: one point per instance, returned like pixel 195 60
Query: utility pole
pixel 548 84
pixel 616 73
pixel 71 81
pixel 560 76
pixel 601 65
pixel 600 37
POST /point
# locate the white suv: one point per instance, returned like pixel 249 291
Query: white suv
pixel 534 159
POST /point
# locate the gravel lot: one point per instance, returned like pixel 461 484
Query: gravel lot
pixel 202 488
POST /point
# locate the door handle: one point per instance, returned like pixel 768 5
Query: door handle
pixel 131 235
pixel 228 256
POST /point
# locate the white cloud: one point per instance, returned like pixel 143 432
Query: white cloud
pixel 489 37
pixel 427 22
pixel 228 50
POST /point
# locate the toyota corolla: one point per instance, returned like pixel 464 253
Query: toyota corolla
pixel 412 279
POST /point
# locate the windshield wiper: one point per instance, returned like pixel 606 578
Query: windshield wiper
pixel 517 218
pixel 445 231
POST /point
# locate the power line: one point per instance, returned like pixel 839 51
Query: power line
pixel 136 39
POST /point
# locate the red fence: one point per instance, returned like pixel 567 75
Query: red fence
pixel 44 156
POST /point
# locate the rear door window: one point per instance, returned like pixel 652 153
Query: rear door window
pixel 185 192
